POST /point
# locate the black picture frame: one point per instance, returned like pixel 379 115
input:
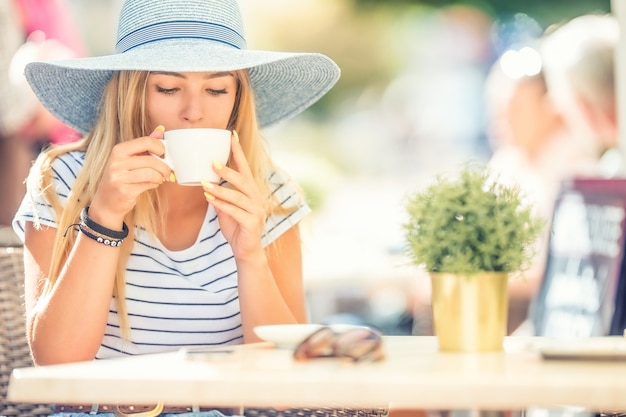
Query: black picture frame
pixel 583 291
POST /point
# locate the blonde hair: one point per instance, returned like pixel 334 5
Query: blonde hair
pixel 123 117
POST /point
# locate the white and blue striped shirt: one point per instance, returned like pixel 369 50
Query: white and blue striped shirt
pixel 175 299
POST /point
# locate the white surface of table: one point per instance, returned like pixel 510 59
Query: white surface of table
pixel 413 375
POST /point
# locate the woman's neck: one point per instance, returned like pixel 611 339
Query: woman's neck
pixel 186 210
pixel 182 199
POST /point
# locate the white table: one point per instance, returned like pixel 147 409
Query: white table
pixel 414 375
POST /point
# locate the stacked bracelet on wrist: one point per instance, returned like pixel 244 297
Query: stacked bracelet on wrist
pixel 100 239
pixel 99 233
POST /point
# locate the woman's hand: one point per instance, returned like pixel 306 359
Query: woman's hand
pixel 240 209
pixel 130 170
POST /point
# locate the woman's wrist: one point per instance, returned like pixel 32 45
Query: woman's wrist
pixel 258 259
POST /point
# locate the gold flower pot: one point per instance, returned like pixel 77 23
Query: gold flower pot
pixel 470 311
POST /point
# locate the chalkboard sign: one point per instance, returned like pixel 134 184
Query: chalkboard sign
pixel 582 293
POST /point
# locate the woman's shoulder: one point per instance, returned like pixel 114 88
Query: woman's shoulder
pixel 36 205
pixel 72 161
pixel 284 188
pixel 61 169
pixel 67 166
pixel 290 197
pixel 277 176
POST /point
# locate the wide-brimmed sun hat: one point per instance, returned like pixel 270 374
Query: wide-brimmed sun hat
pixel 183 36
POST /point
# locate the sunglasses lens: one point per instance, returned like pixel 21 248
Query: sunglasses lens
pixel 359 344
pixel 317 344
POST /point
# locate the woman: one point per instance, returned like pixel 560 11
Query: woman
pixel 197 266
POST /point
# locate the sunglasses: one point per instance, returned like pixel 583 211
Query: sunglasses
pixel 357 343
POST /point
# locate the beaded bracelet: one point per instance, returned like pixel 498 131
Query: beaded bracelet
pixel 104 231
pixel 100 239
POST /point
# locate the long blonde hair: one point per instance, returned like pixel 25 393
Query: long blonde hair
pixel 122 118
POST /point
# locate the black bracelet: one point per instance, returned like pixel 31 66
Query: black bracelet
pixel 105 231
pixel 105 241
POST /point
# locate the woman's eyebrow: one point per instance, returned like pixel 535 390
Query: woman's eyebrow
pixel 172 74
pixel 219 74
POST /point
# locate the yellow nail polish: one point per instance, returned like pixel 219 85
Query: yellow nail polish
pixel 236 135
pixel 206 184
pixel 209 196
pixel 217 165
pixel 172 177
pixel 160 128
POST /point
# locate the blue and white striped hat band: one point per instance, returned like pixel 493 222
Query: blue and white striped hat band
pixel 181 29
pixel 183 36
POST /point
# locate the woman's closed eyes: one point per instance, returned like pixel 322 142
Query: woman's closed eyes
pixel 171 91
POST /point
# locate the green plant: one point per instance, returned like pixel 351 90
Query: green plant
pixel 471 223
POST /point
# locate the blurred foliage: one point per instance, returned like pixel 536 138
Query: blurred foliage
pixel 368 38
pixel 357 40
pixel 545 11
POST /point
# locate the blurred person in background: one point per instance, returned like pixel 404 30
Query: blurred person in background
pixel 526 131
pixel 553 116
pixel 32 30
pixel 579 62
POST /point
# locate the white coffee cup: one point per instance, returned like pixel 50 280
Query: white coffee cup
pixel 191 153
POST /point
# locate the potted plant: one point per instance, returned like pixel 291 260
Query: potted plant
pixel 470 232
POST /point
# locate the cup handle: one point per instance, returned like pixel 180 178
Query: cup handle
pixel 165 157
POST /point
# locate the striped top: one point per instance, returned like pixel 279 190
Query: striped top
pixel 175 299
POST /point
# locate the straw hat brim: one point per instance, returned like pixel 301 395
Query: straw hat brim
pixel 284 83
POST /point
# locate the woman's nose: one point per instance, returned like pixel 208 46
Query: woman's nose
pixel 192 109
